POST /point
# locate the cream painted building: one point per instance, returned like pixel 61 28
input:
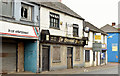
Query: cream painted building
pixel 95 53
pixel 62 38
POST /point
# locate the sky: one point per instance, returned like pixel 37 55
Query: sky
pixel 97 12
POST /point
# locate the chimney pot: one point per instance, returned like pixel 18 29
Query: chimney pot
pixel 113 24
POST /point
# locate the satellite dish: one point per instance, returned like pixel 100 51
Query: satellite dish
pixel 87 29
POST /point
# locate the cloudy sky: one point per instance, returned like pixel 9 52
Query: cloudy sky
pixel 97 12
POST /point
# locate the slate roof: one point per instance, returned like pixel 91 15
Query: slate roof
pixel 94 28
pixel 108 28
pixel 58 6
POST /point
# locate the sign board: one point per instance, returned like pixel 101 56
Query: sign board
pixel 97 46
pixel 97 36
pixel 17 30
pixel 104 46
pixel 63 40
pixel 114 47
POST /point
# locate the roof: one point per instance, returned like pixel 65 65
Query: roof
pixel 108 28
pixel 94 28
pixel 58 6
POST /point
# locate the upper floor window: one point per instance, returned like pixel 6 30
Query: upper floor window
pixel 26 12
pixel 75 30
pixel 54 20
pixel 7 8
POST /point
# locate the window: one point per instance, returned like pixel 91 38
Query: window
pixel 26 12
pixel 54 20
pixel 75 30
pixel 87 55
pixel 7 8
pixel 93 55
pixel 77 54
pixel 56 54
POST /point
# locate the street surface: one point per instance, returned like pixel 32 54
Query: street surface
pixel 112 70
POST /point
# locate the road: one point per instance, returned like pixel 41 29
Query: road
pixel 112 70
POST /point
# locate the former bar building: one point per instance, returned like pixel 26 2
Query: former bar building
pixel 62 38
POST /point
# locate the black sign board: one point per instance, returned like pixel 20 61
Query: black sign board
pixel 64 40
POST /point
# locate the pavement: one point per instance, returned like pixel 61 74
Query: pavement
pixel 85 70
pixel 110 68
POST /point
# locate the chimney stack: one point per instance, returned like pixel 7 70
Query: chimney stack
pixel 113 24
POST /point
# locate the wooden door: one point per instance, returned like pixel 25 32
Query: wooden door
pixel 45 58
pixel 20 57
pixel 69 58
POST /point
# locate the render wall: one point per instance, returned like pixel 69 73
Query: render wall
pixel 66 29
pixel 90 46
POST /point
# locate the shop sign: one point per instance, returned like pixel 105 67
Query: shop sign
pixel 114 47
pixel 97 46
pixel 66 40
pixel 17 30
pixel 97 36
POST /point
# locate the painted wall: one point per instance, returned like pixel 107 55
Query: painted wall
pixel 89 47
pixel 66 29
pixel 17 11
pixel 112 40
pixel 30 62
pixel 119 48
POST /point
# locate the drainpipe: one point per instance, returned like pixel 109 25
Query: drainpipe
pixel 39 39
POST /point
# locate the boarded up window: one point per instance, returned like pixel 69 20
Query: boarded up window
pixel 87 55
pixel 77 53
pixel 56 54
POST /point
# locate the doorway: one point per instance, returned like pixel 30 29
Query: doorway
pixel 69 57
pixel 45 58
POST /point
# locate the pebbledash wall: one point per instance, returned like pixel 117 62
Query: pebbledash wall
pixel 66 30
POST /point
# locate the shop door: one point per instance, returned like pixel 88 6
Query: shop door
pixel 8 57
pixel 45 58
pixel 69 58
pixel 20 57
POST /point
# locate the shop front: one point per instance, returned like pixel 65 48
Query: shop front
pixel 104 54
pixel 19 47
pixel 58 52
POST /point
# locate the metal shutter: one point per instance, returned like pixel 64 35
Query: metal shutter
pixel 8 57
